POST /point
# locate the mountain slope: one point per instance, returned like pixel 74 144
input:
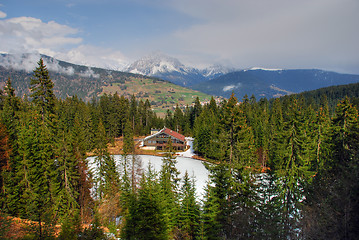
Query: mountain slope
pixel 334 94
pixel 273 83
pixel 171 69
pixel 86 82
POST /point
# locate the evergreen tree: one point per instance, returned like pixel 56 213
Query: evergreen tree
pixel 178 119
pixel 103 161
pixel 195 112
pixel 189 216
pixel 67 184
pixel 206 131
pixel 228 120
pixel 217 208
pixel 145 218
pixel 42 93
pixel 4 160
pixel 292 165
pixel 169 182
pixel 11 105
pixel 244 152
pixel 336 184
pixel 36 172
pixel 9 117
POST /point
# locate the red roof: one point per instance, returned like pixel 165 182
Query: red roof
pixel 173 134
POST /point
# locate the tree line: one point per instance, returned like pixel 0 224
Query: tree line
pixel 280 169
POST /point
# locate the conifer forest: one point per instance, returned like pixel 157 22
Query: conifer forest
pixel 284 168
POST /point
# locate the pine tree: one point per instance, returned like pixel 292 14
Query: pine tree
pixel 145 218
pixel 195 112
pixel 189 216
pixel 228 120
pixel 102 158
pixel 217 207
pixel 68 175
pixel 244 152
pixel 335 185
pixel 178 119
pixel 9 117
pixel 4 160
pixel 206 141
pixel 11 105
pixel 42 93
pixel 291 164
pixel 169 182
pixel 36 173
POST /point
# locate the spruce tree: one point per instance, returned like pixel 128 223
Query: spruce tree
pixel 189 216
pixel 102 156
pixel 36 172
pixel 292 160
pixel 145 217
pixel 228 120
pixel 4 161
pixel 9 117
pixel 41 87
pixel 169 182
pixel 335 186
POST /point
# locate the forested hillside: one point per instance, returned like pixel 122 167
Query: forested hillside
pixel 285 170
pixel 334 94
pixel 89 82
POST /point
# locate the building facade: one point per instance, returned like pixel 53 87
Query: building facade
pixel 159 140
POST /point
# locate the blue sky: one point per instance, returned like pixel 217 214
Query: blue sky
pixel 238 33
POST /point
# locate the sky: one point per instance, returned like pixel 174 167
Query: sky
pixel 282 34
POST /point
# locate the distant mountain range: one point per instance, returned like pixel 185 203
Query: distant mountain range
pixel 221 81
pixel 171 69
pixel 273 82
pixel 86 82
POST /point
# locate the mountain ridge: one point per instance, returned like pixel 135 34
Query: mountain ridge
pixel 273 82
pixel 171 69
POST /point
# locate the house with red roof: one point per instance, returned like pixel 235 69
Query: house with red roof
pixel 159 140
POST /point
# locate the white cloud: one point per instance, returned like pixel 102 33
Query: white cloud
pixel 94 56
pixel 31 35
pixel 28 62
pixel 2 14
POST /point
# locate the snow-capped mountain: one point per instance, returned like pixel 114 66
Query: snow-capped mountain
pixel 171 69
pixel 215 71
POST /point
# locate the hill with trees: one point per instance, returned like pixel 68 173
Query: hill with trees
pixel 90 82
pixel 285 170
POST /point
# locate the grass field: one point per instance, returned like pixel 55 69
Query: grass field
pixel 162 95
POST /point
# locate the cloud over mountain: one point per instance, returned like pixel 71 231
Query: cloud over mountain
pixel 32 35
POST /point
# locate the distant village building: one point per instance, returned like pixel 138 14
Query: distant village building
pixel 159 140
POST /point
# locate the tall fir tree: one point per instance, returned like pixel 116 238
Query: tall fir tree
pixel 335 185
pixel 41 87
pixel 37 173
pixel 189 216
pixel 169 182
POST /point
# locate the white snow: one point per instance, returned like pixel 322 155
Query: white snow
pixel 228 88
pixel 190 152
pixel 194 168
pixel 266 69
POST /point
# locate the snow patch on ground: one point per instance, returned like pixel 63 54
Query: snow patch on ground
pixel 195 168
pixel 189 153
